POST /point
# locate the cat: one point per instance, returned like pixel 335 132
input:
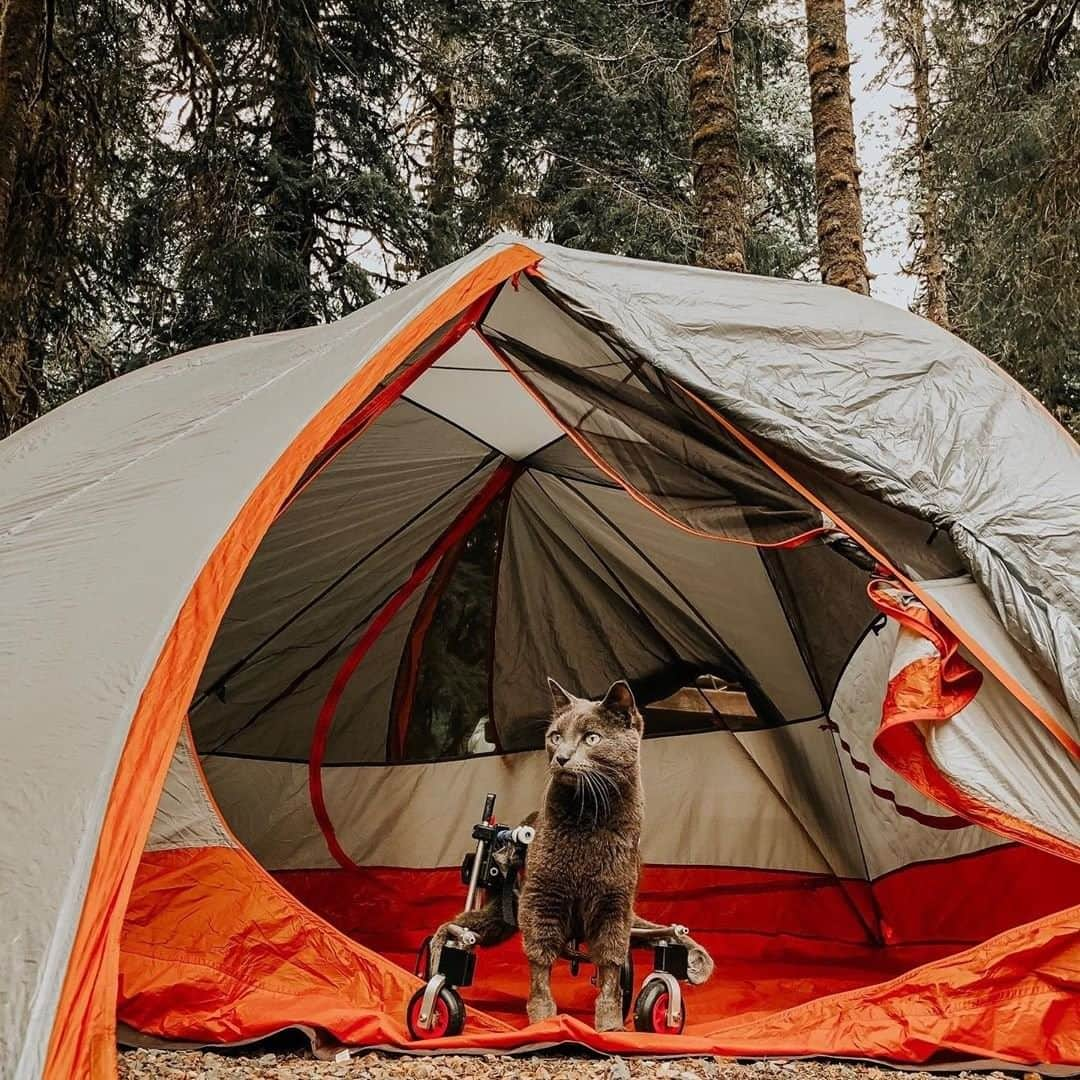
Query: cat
pixel 583 864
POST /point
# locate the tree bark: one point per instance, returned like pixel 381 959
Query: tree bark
pixel 442 171
pixel 22 39
pixel 836 174
pixel 292 144
pixel 719 190
pixel 931 256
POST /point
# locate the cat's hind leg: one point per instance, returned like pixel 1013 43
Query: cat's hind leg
pixel 699 963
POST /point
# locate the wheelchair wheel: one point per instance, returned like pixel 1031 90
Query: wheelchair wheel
pixel 626 983
pixel 447 1018
pixel 650 1011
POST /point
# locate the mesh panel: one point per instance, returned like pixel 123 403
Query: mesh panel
pixel 686 467
pixel 580 603
pixel 443 694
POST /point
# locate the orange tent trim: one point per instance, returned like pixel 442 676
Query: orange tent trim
pixel 83 1040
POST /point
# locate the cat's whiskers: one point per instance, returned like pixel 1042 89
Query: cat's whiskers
pixel 599 796
pixel 614 780
pixel 599 787
pixel 612 791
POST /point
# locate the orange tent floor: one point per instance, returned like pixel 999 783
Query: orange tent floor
pixel 778 938
pixel 753 976
pixel 214 950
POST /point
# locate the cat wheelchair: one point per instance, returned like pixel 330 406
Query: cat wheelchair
pixel 490 873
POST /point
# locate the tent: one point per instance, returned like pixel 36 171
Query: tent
pixel 225 812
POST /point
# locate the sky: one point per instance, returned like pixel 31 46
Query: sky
pixel 877 129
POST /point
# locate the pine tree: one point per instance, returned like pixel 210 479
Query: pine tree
pixel 22 74
pixel 74 127
pixel 931 258
pixel 296 55
pixel 904 25
pixel 839 212
pixel 284 166
pixel 1007 148
pixel 440 113
pixel 719 191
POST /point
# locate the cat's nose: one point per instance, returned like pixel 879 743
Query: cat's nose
pixel 563 757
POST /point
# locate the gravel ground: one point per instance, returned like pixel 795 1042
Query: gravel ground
pixel 188 1065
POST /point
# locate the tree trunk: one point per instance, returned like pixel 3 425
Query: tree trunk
pixel 931 256
pixel 292 145
pixel 22 31
pixel 442 168
pixel 836 174
pixel 714 139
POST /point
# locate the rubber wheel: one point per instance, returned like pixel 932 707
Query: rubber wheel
pixel 448 1017
pixel 626 984
pixel 650 1011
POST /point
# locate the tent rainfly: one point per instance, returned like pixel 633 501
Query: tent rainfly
pixel 230 804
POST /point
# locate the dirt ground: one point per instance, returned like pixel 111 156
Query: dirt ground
pixel 189 1065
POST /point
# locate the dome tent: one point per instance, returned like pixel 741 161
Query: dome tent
pixel 254 536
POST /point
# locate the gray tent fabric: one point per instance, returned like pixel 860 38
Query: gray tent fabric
pixel 323 571
pixel 112 506
pixel 897 406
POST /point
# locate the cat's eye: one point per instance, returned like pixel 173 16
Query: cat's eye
pixel 554 736
pixel 592 739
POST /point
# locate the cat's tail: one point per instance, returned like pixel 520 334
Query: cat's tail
pixel 700 965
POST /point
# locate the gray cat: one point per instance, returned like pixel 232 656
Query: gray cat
pixel 583 865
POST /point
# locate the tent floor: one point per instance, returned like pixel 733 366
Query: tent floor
pixel 803 939
pixel 753 975
pixel 212 951
pixel 778 938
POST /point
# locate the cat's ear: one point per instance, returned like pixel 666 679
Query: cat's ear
pixel 560 699
pixel 620 699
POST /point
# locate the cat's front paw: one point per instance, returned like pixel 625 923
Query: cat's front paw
pixel 541 1008
pixel 609 1015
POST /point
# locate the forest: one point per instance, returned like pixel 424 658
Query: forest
pixel 180 172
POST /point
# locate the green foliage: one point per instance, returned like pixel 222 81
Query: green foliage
pixel 206 172
pixel 202 172
pixel 75 184
pixel 237 187
pixel 573 126
pixel 1008 148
